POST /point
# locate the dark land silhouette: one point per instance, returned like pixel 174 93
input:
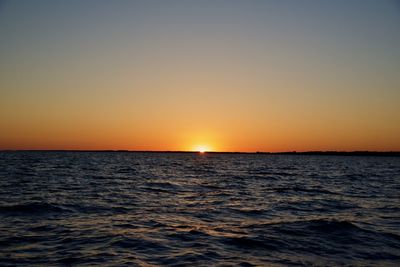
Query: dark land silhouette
pixel 315 153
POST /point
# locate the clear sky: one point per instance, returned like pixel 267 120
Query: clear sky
pixel 174 75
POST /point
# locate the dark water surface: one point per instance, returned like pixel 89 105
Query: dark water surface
pixel 148 209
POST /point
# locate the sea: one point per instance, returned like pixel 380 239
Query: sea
pixel 191 209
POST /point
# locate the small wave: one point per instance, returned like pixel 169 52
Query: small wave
pixel 100 209
pixel 32 208
pixel 296 189
pixel 164 187
pixel 138 244
pixel 325 206
pixel 250 212
pixel 320 228
pixel 270 172
pixel 329 226
pixel 318 224
pixel 212 186
pixel 128 170
pixel 42 228
pixel 99 177
pixel 252 243
pixel 188 258
pixel 161 184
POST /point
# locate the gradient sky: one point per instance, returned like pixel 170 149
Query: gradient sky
pixel 173 75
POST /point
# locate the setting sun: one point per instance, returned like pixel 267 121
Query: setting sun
pixel 202 148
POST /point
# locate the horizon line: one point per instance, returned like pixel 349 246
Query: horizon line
pixel 308 152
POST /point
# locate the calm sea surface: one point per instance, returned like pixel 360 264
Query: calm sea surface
pixel 149 209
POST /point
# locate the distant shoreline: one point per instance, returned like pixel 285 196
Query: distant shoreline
pixel 315 153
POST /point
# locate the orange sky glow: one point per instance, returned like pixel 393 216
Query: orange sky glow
pixel 191 76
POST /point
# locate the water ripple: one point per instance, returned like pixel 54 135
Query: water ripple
pixel 149 209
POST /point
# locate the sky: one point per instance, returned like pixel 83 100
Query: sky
pixel 221 75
